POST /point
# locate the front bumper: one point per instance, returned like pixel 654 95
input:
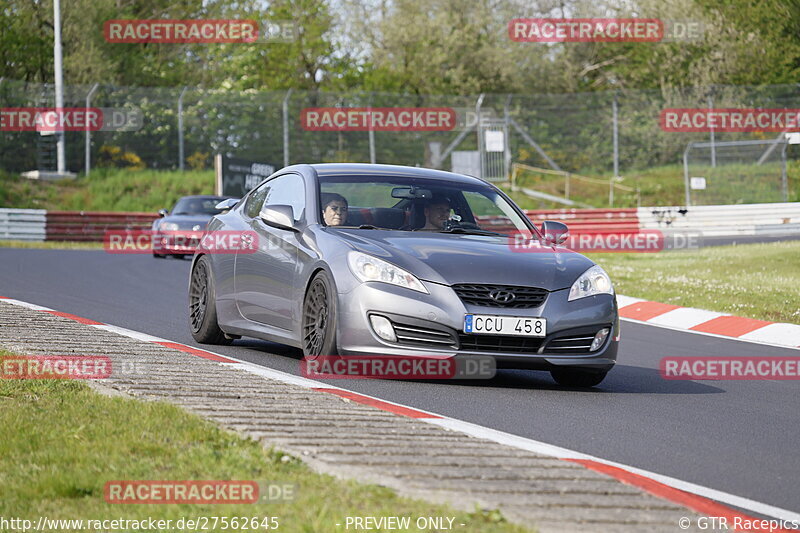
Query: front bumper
pixel 435 320
pixel 181 242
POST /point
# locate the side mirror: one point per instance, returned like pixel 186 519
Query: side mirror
pixel 555 233
pixel 278 216
pixel 227 203
pixel 162 213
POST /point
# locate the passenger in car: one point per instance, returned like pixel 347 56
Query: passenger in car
pixel 334 209
pixel 437 212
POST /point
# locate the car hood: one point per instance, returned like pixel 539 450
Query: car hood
pixel 453 258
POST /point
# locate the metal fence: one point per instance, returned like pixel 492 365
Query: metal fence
pixel 601 133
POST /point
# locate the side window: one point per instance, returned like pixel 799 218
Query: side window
pixel 288 190
pixel 255 201
pixel 283 190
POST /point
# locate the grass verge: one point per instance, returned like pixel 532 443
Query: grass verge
pixel 106 190
pixel 62 442
pixel 752 280
pixel 727 184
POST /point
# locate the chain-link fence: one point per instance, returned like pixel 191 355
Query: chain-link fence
pixel 600 134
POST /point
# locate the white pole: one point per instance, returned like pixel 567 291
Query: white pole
pixel 713 145
pixel 88 143
pixel 180 129
pixel 615 134
pixel 371 135
pixel 480 134
pixel 60 148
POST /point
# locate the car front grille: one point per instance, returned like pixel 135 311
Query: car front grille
pixel 520 297
pixel 414 335
pixel 574 342
pixel 499 343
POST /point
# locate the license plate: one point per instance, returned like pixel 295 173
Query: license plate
pixel 522 326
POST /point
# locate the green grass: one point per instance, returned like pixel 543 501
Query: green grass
pixel 62 441
pixel 106 190
pixel 728 184
pixel 753 280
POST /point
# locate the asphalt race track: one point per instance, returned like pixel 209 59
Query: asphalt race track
pixel 733 436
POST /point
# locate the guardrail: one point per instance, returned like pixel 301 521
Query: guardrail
pixel 712 220
pixel 22 224
pixel 91 226
pixel 582 220
pixel 725 220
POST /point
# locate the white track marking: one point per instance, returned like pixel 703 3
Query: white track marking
pixel 685 317
pixel 778 332
pixel 716 335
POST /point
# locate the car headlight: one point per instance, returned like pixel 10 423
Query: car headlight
pixel 168 226
pixel 593 281
pixel 368 268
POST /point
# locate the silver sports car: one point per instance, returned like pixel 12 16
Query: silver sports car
pixel 356 259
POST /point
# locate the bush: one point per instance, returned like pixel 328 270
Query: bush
pixel 113 157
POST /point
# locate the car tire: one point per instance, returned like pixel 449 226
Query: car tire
pixel 159 256
pixel 318 327
pixel 203 306
pixel 570 377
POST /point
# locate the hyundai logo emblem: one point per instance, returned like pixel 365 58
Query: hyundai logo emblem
pixel 502 296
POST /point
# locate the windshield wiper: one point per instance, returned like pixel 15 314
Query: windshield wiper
pixel 362 226
pixel 472 231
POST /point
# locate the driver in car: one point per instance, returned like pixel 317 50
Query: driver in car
pixel 334 209
pixel 437 213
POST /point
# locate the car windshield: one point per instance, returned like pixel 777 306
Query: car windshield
pixel 417 204
pixel 197 206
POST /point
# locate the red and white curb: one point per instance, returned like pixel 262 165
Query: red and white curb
pixel 711 323
pixel 700 499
